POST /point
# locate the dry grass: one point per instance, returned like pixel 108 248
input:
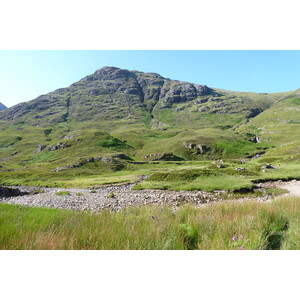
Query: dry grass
pixel 248 225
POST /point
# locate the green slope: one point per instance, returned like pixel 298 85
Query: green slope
pixel 105 122
pixel 279 126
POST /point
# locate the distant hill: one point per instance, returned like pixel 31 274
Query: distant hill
pixel 2 106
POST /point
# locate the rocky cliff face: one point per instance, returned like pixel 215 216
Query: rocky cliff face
pixel 2 106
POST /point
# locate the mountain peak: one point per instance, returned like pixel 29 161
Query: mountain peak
pixel 2 106
pixel 109 73
pixel 105 70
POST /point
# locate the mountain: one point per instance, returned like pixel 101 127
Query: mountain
pixel 115 94
pixel 2 106
pixel 130 115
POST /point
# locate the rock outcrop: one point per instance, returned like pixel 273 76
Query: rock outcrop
pixel 163 156
pixel 200 148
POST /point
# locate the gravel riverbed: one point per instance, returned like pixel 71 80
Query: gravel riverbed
pixel 113 198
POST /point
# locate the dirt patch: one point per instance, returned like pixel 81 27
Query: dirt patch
pixel 293 187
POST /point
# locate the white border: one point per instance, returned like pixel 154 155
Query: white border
pixel 148 274
pixel 148 25
pixel 145 25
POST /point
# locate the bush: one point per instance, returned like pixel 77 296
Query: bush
pixel 113 143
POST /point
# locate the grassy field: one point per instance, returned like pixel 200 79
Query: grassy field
pixel 208 176
pixel 231 176
pixel 229 225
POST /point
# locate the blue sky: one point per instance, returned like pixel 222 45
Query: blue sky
pixel 24 75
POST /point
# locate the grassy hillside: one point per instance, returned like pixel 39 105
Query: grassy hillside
pixel 279 126
pixel 119 124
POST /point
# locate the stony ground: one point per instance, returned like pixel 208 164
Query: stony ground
pixel 121 196
pixel 292 186
pixel 111 197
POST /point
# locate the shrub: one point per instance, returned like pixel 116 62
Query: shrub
pixel 112 143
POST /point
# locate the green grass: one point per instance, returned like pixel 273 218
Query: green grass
pixel 63 193
pixel 276 191
pixel 42 157
pixel 208 184
pixel 237 148
pixel 206 179
pixel 183 175
pixel 230 225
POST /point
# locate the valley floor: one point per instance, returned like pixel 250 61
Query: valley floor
pixel 117 197
pixel 153 219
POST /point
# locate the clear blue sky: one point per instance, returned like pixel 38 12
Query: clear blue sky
pixel 24 75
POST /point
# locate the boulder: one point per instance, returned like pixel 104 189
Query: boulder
pixel 267 166
pixel 40 148
pixel 200 148
pixel 58 146
pixel 189 145
pixel 240 169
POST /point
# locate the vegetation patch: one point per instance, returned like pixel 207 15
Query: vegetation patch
pixel 113 143
pixel 36 191
pixel 276 191
pixel 197 179
pixel 63 193
pixel 41 157
pixel 236 148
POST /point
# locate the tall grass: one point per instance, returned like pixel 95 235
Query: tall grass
pixel 230 225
